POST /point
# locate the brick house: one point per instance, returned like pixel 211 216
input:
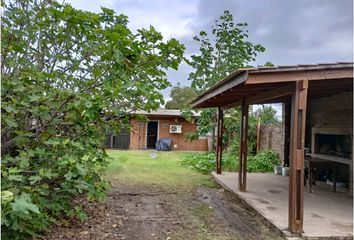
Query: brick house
pixel 160 124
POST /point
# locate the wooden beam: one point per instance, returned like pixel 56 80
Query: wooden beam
pixel 287 127
pixel 217 89
pixel 220 127
pixel 297 142
pixel 258 143
pixel 242 172
pixel 273 94
pixel 231 105
pixel 291 76
pixel 265 97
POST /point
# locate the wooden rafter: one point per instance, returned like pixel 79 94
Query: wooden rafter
pixel 269 95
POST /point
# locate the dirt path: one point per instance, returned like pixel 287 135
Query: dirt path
pixel 136 211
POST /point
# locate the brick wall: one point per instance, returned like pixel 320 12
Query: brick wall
pixel 328 113
pixel 138 134
pixel 272 137
pixel 179 141
pixel 335 111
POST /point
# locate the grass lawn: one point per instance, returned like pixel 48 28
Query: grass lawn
pixel 138 167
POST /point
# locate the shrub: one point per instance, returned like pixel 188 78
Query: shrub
pixel 202 162
pixel 264 161
pixel 206 162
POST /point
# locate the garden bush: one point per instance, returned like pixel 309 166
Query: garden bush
pixel 264 161
pixel 205 162
pixel 67 76
pixel 202 162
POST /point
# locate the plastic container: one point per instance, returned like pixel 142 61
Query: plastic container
pixel 285 171
pixel 277 170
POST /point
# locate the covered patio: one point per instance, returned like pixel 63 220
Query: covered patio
pixel 318 116
pixel 326 213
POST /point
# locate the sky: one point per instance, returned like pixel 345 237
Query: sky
pixel 292 31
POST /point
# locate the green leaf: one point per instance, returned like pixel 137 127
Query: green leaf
pixel 10 122
pixel 17 178
pixel 11 109
pixel 6 197
pixel 34 179
pixel 23 204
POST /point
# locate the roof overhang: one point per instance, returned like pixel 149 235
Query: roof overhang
pixel 163 113
pixel 275 84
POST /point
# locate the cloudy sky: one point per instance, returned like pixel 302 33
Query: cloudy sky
pixel 293 32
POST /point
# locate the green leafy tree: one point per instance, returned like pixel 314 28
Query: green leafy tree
pixel 268 64
pixel 219 55
pixel 266 115
pixel 180 97
pixel 67 76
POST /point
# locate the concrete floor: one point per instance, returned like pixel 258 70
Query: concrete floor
pixel 326 213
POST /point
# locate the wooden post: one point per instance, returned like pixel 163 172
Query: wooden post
pixel 219 141
pixel 243 147
pixel 287 127
pixel 258 136
pixel 297 142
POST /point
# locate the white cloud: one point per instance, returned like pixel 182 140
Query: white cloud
pixel 292 32
pixel 172 18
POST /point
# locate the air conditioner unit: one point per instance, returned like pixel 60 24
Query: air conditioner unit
pixel 175 128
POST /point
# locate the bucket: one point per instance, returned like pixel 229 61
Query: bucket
pixel 277 170
pixel 285 171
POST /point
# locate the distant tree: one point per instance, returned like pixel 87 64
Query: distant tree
pixel 268 64
pixel 226 51
pixel 266 115
pixel 219 55
pixel 181 96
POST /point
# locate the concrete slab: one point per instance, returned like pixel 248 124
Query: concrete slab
pixel 326 214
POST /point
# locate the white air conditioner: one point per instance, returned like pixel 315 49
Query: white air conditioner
pixel 175 128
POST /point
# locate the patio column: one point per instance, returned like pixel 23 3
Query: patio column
pixel 297 141
pixel 219 141
pixel 287 123
pixel 242 172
